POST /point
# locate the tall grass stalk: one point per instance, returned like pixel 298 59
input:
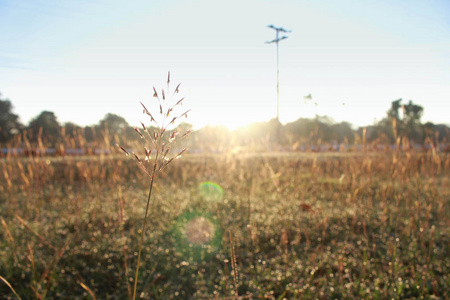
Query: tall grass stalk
pixel 160 140
pixel 10 287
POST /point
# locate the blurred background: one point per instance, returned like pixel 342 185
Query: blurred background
pixel 347 60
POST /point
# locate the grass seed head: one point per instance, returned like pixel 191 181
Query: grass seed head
pixel 163 138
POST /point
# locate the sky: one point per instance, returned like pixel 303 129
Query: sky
pixel 83 59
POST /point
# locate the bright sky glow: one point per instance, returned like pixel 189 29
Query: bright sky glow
pixel 82 59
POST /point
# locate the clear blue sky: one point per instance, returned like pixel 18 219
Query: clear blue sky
pixel 82 59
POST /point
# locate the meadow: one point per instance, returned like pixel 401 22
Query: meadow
pixel 338 225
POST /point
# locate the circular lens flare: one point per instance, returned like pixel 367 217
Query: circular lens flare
pixel 199 230
pixel 211 191
pixel 196 234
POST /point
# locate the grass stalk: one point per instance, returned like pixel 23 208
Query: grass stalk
pixel 160 141
pixel 143 228
pixel 234 266
pixel 88 290
pixel 10 287
pixel 121 226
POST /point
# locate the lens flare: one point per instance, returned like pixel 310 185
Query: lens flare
pixel 199 230
pixel 211 191
pixel 197 234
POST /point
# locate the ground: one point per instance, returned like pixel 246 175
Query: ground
pixel 293 225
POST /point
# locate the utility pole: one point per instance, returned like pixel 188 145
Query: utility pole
pixel 276 40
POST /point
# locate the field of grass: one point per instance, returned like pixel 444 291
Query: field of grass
pixel 248 226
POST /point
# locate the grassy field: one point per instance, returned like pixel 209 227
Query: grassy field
pixel 247 226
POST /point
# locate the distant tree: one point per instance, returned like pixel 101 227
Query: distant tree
pixel 113 123
pixel 405 120
pixel 342 132
pixel 437 132
pixel 71 129
pixel 393 112
pixel 45 126
pixel 411 120
pixel 183 127
pixel 210 138
pixel 9 122
pixel 114 129
pixel 300 128
pixel 379 134
pixel 323 128
pixel 73 136
pixel 319 129
pixel 90 134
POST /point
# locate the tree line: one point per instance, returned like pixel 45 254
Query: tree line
pixel 402 123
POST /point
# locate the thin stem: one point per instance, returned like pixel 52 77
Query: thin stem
pixel 144 225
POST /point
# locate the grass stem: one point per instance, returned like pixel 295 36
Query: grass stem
pixel 144 225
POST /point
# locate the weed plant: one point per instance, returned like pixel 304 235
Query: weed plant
pixel 160 141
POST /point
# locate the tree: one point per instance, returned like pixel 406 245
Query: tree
pixel 436 132
pixel 71 129
pixel 46 127
pixel 9 122
pixel 342 132
pixel 319 129
pixel 406 122
pixel 114 128
pixel 411 119
pixel 393 112
pixel 114 124
pixel 210 138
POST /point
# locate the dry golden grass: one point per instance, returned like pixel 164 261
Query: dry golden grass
pixel 335 225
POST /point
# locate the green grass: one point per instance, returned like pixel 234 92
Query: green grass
pixel 303 226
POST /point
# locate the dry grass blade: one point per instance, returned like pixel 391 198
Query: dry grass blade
pixel 43 240
pixel 47 274
pixel 234 266
pixel 121 225
pixel 8 233
pixel 87 289
pixel 11 240
pixel 34 283
pixel 10 287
